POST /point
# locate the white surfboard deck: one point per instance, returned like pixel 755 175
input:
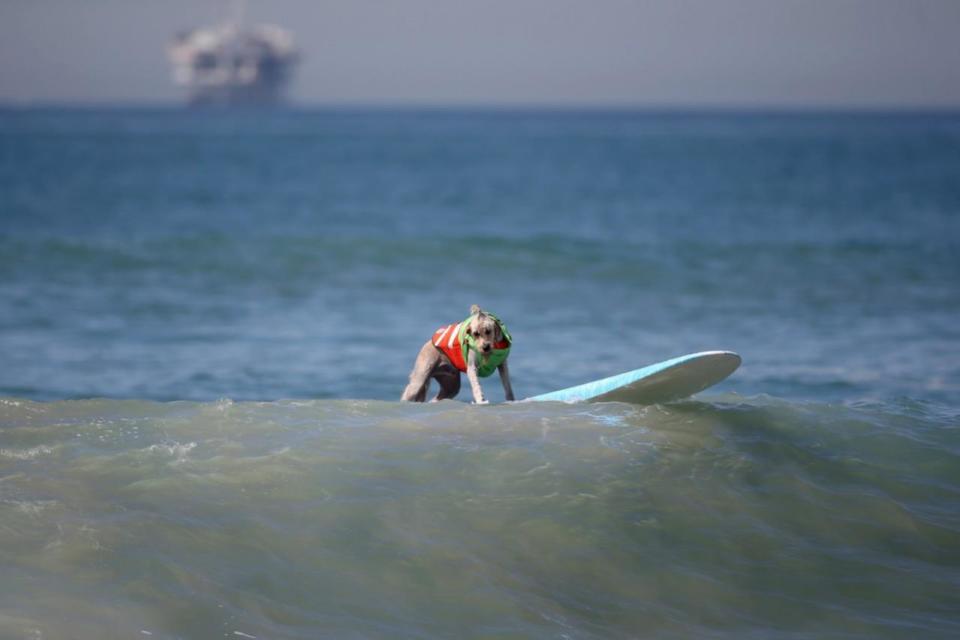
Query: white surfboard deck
pixel 661 382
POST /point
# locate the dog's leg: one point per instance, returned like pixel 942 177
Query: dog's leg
pixel 427 360
pixel 416 391
pixel 474 378
pixel 449 385
pixel 505 379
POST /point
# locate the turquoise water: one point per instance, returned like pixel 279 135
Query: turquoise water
pixel 207 318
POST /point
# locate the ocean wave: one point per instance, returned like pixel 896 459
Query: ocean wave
pixel 306 253
pixel 30 453
pixel 293 518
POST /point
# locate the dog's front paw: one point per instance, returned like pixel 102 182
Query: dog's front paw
pixel 481 402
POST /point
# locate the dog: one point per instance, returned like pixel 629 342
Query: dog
pixel 478 346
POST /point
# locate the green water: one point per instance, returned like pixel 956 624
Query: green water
pixel 724 519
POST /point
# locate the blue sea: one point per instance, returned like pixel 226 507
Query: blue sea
pixel 207 318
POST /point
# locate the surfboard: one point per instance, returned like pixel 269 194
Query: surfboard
pixel 661 382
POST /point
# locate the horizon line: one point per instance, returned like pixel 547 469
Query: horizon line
pixel 427 106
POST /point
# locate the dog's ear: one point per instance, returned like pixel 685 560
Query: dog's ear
pixel 475 310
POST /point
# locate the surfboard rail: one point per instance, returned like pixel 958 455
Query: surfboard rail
pixel 672 379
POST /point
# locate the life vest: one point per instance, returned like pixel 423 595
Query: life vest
pixel 456 344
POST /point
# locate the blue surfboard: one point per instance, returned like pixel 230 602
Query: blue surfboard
pixel 661 382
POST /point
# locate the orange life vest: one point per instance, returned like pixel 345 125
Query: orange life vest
pixel 451 340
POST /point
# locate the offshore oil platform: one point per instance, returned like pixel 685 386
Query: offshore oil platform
pixel 228 64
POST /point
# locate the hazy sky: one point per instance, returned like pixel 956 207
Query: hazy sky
pixel 880 53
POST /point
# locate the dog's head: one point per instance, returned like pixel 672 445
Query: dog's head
pixel 484 330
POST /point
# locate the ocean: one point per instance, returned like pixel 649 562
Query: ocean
pixel 207 319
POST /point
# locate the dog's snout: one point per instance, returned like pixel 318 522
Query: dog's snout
pixel 487 347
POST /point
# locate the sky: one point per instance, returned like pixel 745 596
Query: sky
pixel 623 53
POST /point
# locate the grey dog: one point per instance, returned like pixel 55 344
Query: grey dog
pixel 478 346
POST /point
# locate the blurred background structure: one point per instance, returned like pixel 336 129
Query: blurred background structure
pixel 230 64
